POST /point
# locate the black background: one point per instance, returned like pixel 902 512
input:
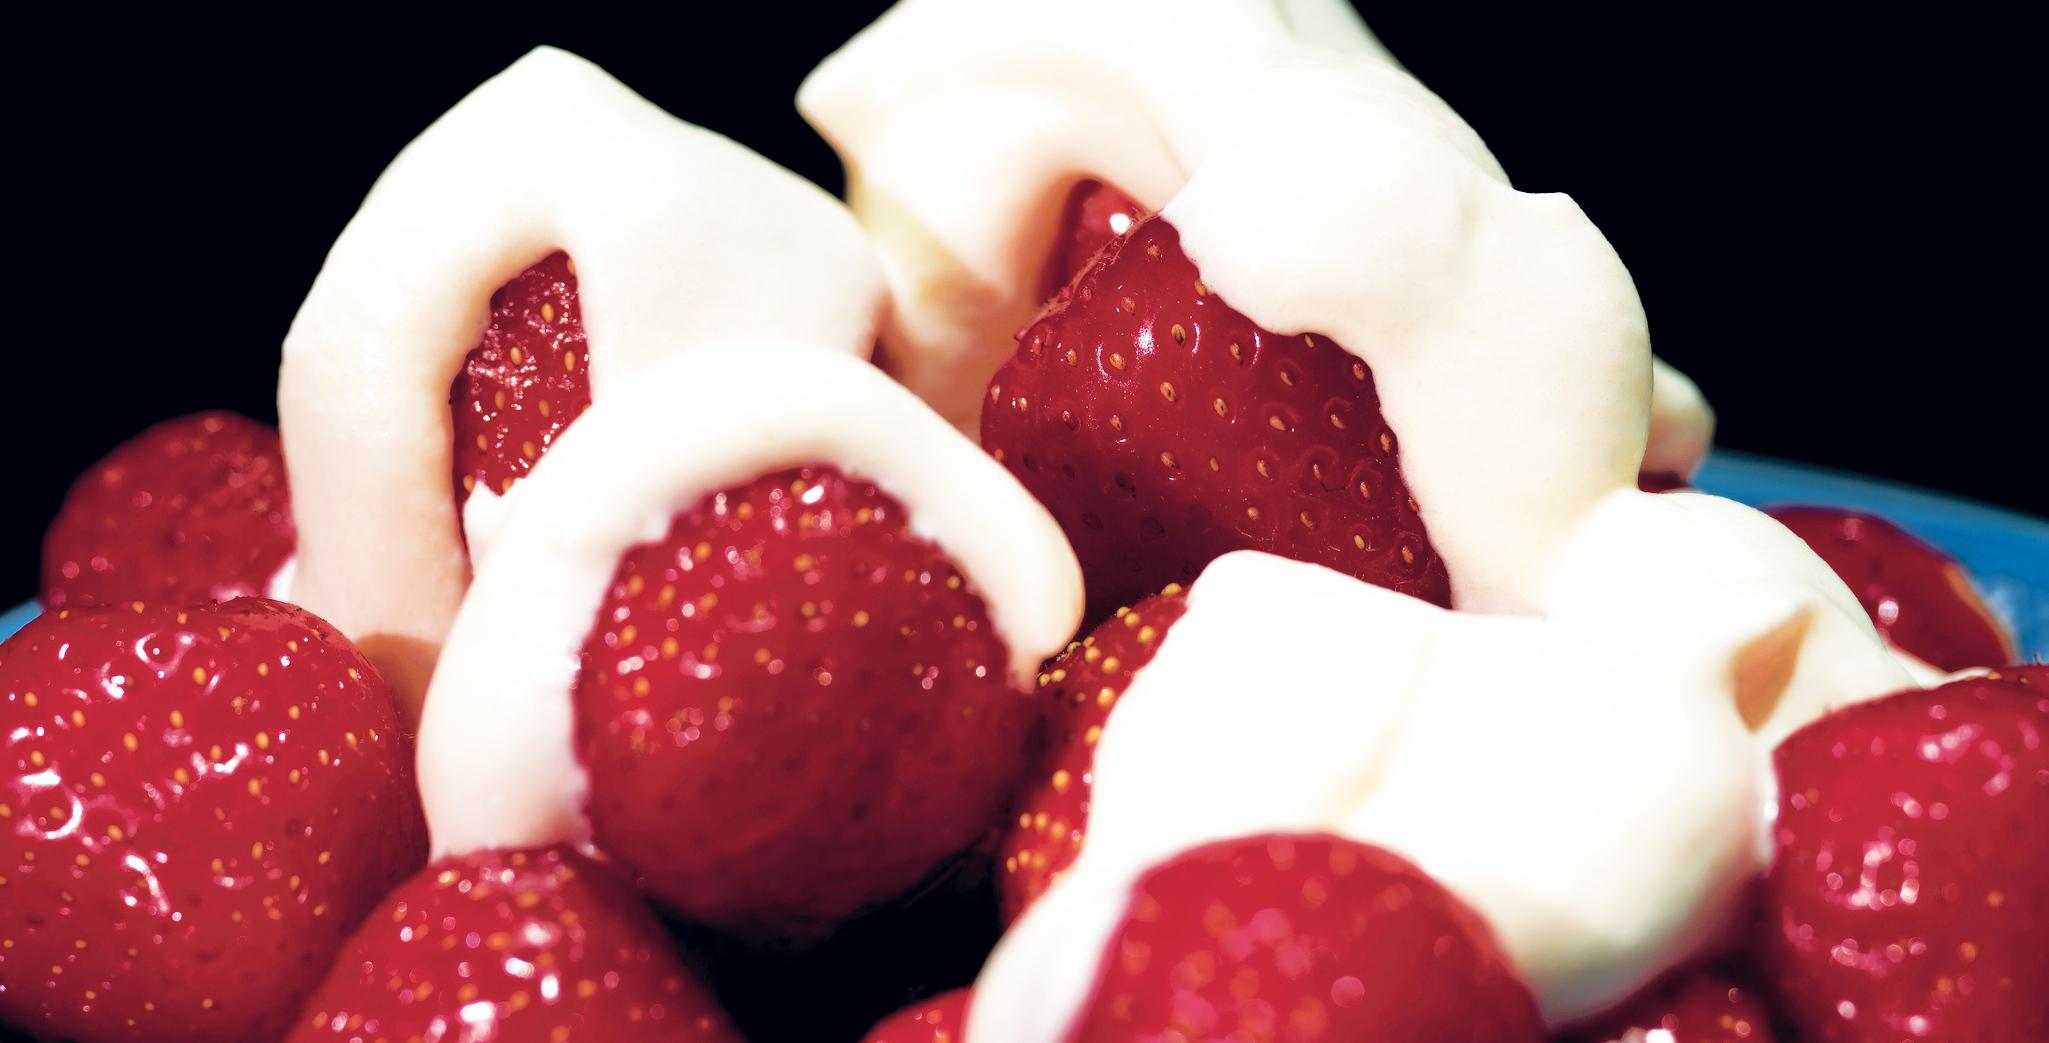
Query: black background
pixel 1830 222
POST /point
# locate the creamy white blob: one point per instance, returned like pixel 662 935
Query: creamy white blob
pixel 1321 189
pixel 497 764
pixel 679 237
pixel 963 124
pixel 1595 783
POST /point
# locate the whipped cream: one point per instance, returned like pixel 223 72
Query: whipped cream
pixel 497 758
pixel 1322 190
pixel 963 124
pixel 680 237
pixel 1597 783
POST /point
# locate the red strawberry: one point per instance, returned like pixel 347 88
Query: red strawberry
pixel 1079 687
pixel 1907 896
pixel 1162 429
pixel 937 1020
pixel 1095 214
pixel 1307 939
pixel 524 382
pixel 792 706
pixel 199 806
pixel 1697 1007
pixel 194 509
pixel 1918 596
pixel 537 946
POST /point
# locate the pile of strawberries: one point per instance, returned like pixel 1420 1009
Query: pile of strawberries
pixel 209 827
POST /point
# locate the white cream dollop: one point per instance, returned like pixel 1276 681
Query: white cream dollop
pixel 1595 783
pixel 497 759
pixel 679 236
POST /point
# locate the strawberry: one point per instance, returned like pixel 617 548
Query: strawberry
pixel 1305 938
pixel 536 946
pixel 792 706
pixel 1078 689
pixel 1095 214
pixel 200 805
pixel 194 509
pixel 1162 428
pixel 936 1020
pixel 1702 1006
pixel 1906 896
pixel 524 381
pixel 1918 597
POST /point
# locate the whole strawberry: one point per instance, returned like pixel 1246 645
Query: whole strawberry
pixel 792 706
pixel 1079 688
pixel 199 805
pixel 1907 897
pixel 536 946
pixel 1162 429
pixel 194 509
pixel 1306 938
pixel 1916 595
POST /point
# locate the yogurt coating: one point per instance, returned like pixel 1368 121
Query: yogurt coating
pixel 497 758
pixel 680 237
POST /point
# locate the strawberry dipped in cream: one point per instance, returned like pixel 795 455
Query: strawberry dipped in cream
pixel 483 297
pixel 764 630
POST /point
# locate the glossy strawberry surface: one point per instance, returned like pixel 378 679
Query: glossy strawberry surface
pixel 524 381
pixel 532 946
pixel 1077 690
pixel 936 1020
pixel 1907 897
pixel 1304 939
pixel 1696 1006
pixel 1162 429
pixel 792 706
pixel 192 510
pixel 198 806
pixel 1916 595
pixel 1093 215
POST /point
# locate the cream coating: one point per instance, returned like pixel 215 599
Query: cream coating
pixel 679 236
pixel 963 123
pixel 1383 718
pixel 1682 423
pixel 497 763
